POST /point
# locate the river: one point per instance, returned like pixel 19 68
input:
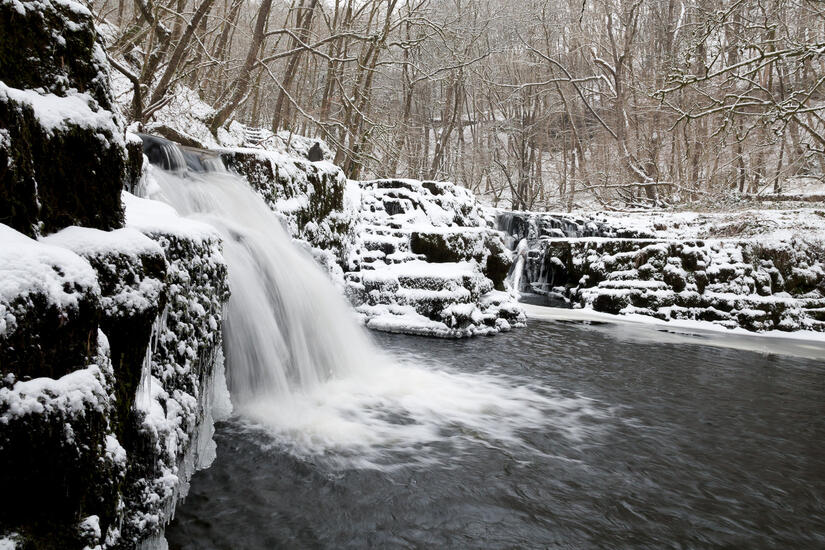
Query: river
pixel 589 436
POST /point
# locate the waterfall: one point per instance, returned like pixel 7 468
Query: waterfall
pixel 301 368
pixel 513 280
pixel 287 327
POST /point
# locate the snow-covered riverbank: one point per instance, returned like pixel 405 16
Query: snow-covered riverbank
pixel 756 270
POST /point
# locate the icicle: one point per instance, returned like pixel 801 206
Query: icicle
pixel 143 398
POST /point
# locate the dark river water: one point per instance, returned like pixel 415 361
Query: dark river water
pixel 654 445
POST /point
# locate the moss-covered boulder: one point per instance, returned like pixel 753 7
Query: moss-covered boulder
pixel 62 464
pixel 66 162
pixel 131 271
pixel 49 309
pixel 175 405
pixel 62 147
pixel 53 46
pixel 60 457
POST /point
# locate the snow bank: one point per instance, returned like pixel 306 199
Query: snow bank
pixel 31 268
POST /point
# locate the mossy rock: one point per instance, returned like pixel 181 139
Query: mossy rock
pixel 49 340
pixel 52 46
pixel 69 175
pixel 18 187
pixel 134 164
pixel 496 269
pixel 58 468
pixel 438 247
pixel 129 328
pixel 610 302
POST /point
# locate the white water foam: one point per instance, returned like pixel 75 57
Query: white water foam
pixel 300 366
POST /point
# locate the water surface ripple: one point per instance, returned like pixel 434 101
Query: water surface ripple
pixel 678 446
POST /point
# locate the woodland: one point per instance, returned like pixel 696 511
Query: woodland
pixel 532 105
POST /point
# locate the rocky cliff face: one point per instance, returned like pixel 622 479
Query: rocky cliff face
pixel 110 336
pixel 109 350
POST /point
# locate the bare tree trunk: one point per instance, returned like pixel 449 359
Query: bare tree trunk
pixel 241 84
pixel 304 23
pixel 178 54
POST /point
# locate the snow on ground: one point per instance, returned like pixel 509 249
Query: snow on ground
pixel 766 224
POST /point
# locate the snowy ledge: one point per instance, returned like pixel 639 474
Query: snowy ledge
pixel 802 343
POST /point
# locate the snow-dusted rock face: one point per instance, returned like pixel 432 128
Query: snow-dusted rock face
pixel 182 385
pixel 60 461
pixel 425 260
pixel 62 148
pixel 309 195
pixel 110 337
pixel 110 346
pixel 752 283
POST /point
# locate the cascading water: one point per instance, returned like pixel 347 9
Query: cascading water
pixel 299 365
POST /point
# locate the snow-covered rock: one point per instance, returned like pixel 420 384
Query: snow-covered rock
pixel 110 356
pixel 62 146
pixel 58 446
pixel 182 381
pixel 426 260
pixel 110 338
pixel 755 282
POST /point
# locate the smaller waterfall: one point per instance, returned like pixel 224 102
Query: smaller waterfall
pixel 516 272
